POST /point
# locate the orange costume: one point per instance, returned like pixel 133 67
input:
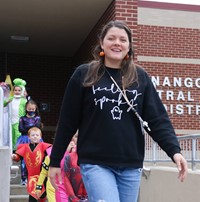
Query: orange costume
pixel 33 155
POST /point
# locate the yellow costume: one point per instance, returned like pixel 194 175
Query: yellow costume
pixel 43 174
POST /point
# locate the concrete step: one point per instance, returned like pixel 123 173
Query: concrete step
pixel 19 198
pixel 16 189
pixel 18 193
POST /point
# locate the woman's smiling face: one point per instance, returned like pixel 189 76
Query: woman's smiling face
pixel 116 45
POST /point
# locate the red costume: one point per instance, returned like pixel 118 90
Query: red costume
pixel 73 179
pixel 33 159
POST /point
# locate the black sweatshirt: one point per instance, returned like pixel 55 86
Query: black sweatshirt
pixel 109 132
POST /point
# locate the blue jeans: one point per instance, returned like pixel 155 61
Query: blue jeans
pixel 111 184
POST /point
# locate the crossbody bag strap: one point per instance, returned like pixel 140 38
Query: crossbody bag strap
pixel 144 124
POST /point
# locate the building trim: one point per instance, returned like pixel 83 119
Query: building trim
pixel 187 132
pixel 169 6
pixel 168 60
pixel 168 18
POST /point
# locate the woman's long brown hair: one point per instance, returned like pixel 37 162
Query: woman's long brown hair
pixel 96 67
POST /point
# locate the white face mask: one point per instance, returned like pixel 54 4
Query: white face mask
pixel 17 96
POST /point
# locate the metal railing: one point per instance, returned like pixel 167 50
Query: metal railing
pixel 190 145
pixel 5 122
pixel 14 169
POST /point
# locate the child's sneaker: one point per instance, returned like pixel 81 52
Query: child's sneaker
pixel 24 182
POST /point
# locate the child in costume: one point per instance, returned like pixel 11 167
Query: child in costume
pixel 6 126
pixel 33 154
pixel 61 192
pixel 73 182
pixel 31 119
pixel 17 108
pixel 72 179
pixel 60 195
pixel 43 175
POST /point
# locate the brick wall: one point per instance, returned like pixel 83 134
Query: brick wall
pixel 169 47
pixel 168 41
pixel 176 43
pixel 84 54
pixel 188 120
pixel 127 11
pixel 2 66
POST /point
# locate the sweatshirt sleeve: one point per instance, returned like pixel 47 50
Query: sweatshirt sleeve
pixel 156 115
pixel 69 119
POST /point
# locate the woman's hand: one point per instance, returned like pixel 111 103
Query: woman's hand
pixel 181 164
pixel 55 176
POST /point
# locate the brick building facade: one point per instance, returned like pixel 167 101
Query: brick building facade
pixel 166 43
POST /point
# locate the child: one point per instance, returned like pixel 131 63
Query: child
pixel 17 108
pixel 72 178
pixel 31 119
pixel 33 154
pixel 61 192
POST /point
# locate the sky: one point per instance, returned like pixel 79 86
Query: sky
pixel 193 2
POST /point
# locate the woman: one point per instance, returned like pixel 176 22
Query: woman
pixel 107 100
